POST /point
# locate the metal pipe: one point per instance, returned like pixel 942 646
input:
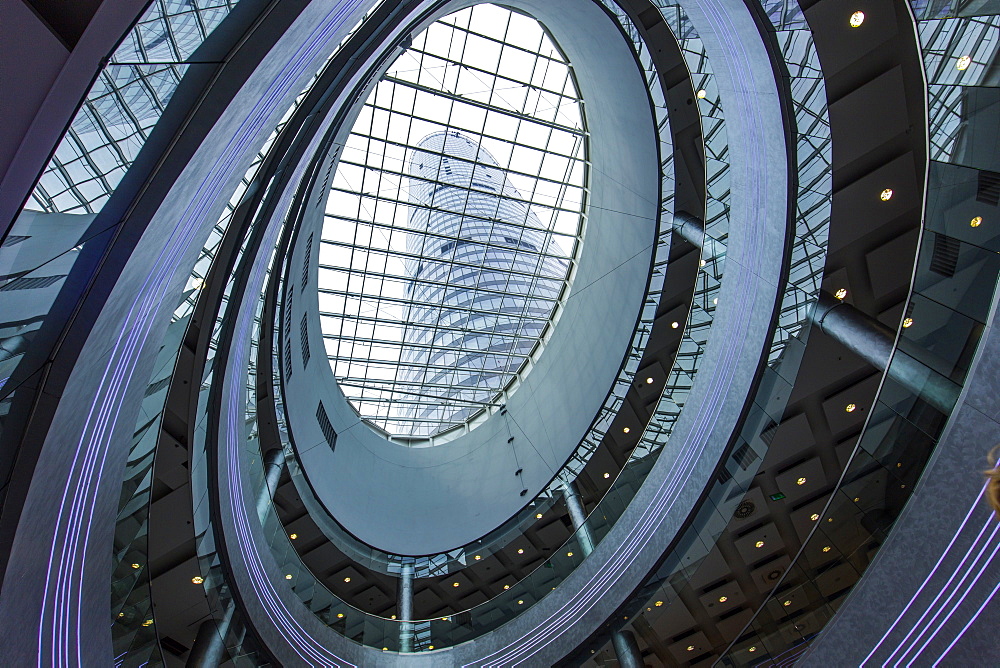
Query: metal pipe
pixel 690 228
pixel 274 466
pixel 872 341
pixel 578 516
pixel 627 649
pixel 405 605
pixel 209 648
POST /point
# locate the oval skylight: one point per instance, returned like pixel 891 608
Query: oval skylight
pixel 453 223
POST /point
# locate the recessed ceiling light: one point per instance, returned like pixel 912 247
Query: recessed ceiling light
pixel 723 599
pixel 520 550
pixel 814 517
pixel 430 647
pixel 649 381
pixel 800 481
pixel 658 604
pixel 690 648
pixel 626 430
pixel 293 536
pixel 759 543
pixel 347 579
pixel 454 584
pixel 753 649
pixel 907 322
pixel 976 222
pixel 607 475
pixel 787 603
pixel 857 18
pixel 135 566
pixel 963 63
pixel 148 622
pixel 340 615
pixel 841 293
pixel 850 408
pixel 701 94
pixel 675 325
pixel 885 195
pixel 506 586
pixel 538 516
pixel 569 554
pixel 197 580
pixel 826 548
pixel 385 649
pixel 392 617
pixel 703 263
pixel 520 602
pixel 477 557
pixel 288 576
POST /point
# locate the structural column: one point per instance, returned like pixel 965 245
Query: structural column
pixel 209 649
pixel 578 516
pixel 624 642
pixel 627 649
pixel 405 606
pixel 274 466
pixel 689 227
pixel 872 341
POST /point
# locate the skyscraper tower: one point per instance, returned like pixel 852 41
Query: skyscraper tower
pixel 479 306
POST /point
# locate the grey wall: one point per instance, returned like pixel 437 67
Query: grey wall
pixel 47 81
pixel 566 616
pixel 926 595
pixel 425 500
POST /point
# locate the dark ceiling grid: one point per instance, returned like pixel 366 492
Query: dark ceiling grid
pixel 866 234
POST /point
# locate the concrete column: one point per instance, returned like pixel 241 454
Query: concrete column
pixel 209 649
pixel 627 649
pixel 274 465
pixel 872 341
pixel 405 606
pixel 578 516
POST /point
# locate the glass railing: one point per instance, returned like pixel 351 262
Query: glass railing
pixel 552 495
pixel 514 597
pixel 134 632
pixel 727 494
pixel 956 276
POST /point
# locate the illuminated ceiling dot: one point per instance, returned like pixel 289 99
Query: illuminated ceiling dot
pixel 857 18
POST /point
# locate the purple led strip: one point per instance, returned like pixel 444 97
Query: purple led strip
pixel 972 584
pixel 927 579
pixel 57 602
pixel 941 592
pixel 312 651
pixel 615 566
pixel 989 599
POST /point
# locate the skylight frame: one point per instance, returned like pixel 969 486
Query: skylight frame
pixel 353 310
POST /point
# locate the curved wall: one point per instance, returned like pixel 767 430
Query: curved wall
pixel 426 500
pixel 560 620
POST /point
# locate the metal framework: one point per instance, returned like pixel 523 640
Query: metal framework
pixel 436 285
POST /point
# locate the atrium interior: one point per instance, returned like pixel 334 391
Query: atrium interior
pixel 521 333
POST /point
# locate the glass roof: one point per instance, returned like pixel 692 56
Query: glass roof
pixel 453 222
